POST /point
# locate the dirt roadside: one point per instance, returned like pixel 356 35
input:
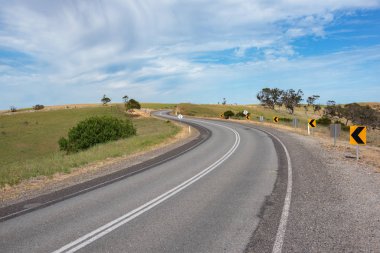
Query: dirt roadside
pixel 34 187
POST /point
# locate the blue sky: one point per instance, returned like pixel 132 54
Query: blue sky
pixel 62 52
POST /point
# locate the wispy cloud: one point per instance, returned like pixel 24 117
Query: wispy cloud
pixel 75 51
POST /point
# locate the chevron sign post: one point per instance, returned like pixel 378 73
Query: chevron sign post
pixel 358 136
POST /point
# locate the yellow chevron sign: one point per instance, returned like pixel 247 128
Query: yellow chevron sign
pixel 275 119
pixel 312 122
pixel 358 135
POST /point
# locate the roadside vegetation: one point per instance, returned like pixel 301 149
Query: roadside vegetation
pixel 272 106
pixel 30 147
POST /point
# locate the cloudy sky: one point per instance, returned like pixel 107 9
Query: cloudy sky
pixel 60 52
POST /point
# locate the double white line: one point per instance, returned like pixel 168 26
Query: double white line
pixel 109 227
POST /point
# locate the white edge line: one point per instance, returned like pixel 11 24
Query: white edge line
pixel 107 228
pixel 277 246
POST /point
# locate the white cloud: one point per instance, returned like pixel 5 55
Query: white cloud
pixel 77 43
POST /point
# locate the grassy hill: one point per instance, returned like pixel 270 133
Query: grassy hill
pixel 29 140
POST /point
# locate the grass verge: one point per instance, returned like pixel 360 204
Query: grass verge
pixel 30 148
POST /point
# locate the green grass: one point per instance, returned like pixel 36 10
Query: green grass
pixel 29 141
pixel 158 106
pixel 206 110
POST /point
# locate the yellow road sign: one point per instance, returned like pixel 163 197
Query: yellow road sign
pixel 222 115
pixel 358 135
pixel 275 119
pixel 312 122
pixel 248 116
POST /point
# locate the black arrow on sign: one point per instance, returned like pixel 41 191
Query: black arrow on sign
pixel 311 123
pixel 355 135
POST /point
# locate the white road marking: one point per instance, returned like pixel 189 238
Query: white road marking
pixel 277 246
pixel 109 227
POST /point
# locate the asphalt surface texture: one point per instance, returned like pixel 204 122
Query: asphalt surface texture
pixel 206 200
pixel 224 193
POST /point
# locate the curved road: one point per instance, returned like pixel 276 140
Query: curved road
pixel 209 199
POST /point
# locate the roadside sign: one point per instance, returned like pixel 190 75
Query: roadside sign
pixel 335 131
pixel 358 135
pixel 248 116
pixel 261 118
pixel 312 122
pixel 275 119
pixel 180 116
pixel 245 112
pixel 222 115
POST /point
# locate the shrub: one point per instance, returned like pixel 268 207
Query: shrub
pixel 132 104
pixel 285 119
pixel 228 114
pixel 13 108
pixel 240 115
pixel 96 130
pixel 38 107
pixel 325 121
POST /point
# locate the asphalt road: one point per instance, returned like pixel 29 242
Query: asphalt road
pixel 236 188
pixel 206 200
pixel 209 199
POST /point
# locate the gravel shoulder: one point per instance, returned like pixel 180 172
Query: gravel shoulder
pixel 335 200
pixel 35 187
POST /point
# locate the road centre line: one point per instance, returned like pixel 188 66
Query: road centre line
pixel 109 227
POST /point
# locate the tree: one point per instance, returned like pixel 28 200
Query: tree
pixel 105 100
pixel 333 110
pixel 125 98
pixel 317 108
pixel 276 96
pixel 291 99
pixel 270 97
pixel 361 115
pixel 224 101
pixel 132 104
pixel 311 102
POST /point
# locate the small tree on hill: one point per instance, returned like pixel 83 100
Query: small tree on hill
pixel 132 104
pixel 105 100
pixel 125 99
pixel 270 97
pixel 292 99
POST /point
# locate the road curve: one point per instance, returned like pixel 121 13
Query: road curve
pixel 209 199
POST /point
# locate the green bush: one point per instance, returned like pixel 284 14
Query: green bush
pixel 240 115
pixel 38 107
pixel 133 104
pixel 228 114
pixel 324 121
pixel 285 119
pixel 96 130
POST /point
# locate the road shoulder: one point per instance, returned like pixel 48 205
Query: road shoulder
pixel 334 206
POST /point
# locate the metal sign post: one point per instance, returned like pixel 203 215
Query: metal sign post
pixel 335 131
pixel 295 122
pixel 357 152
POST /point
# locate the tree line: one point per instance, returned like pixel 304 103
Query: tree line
pixel 130 104
pixel 290 99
